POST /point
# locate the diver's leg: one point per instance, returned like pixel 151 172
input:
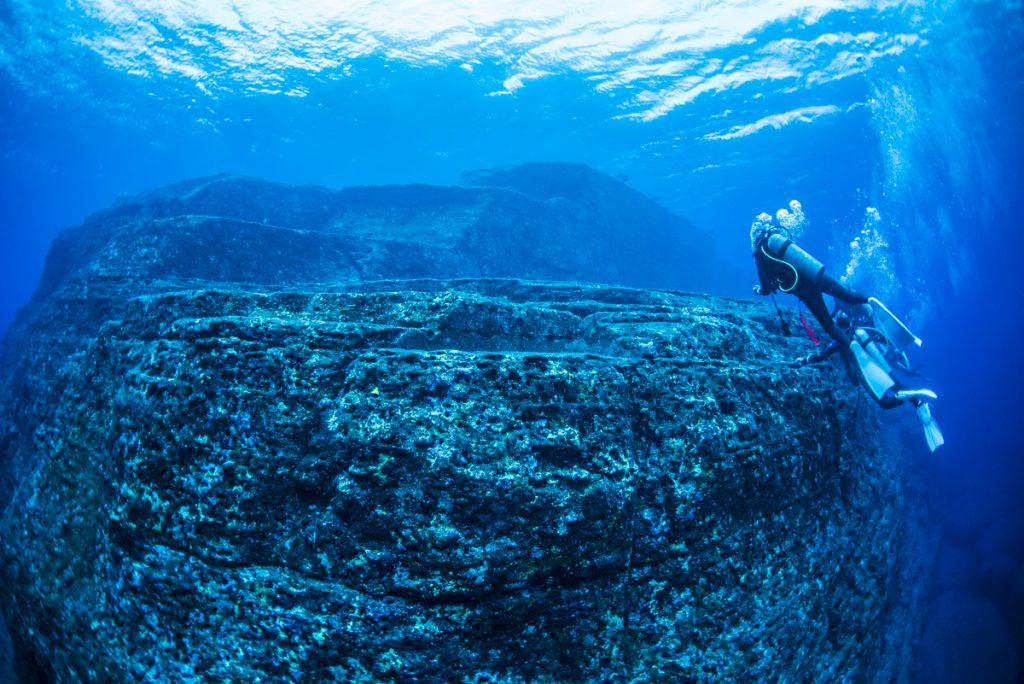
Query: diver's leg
pixel 815 303
pixel 831 286
pixel 889 399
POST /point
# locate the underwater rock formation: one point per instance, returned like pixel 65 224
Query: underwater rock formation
pixel 569 223
pixel 225 459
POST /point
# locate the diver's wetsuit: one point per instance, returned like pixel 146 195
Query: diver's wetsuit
pixel 776 274
pixel 810 291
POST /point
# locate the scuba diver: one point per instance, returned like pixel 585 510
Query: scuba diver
pixel 870 339
pixel 783 266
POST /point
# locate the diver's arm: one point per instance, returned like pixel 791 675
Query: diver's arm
pixel 828 351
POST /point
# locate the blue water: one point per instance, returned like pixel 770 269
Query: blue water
pixel 897 125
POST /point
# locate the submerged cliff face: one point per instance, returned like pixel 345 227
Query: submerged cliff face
pixel 322 479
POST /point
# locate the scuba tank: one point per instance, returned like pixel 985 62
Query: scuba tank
pixel 872 348
pixel 874 376
pixel 787 250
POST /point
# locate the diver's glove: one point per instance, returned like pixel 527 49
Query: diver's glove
pixel 803 361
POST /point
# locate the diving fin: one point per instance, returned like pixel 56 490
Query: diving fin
pixel 931 428
pixel 896 332
pixel 916 394
pixel 874 376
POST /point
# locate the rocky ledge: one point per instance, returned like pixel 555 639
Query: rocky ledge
pixel 434 480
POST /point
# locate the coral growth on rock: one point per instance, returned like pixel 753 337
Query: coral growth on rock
pixel 233 452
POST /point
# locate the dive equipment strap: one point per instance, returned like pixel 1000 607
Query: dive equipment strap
pixel 796 274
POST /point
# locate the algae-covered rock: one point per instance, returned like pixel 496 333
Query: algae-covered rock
pixel 302 476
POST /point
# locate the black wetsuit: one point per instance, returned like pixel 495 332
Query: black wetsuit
pixel 776 274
